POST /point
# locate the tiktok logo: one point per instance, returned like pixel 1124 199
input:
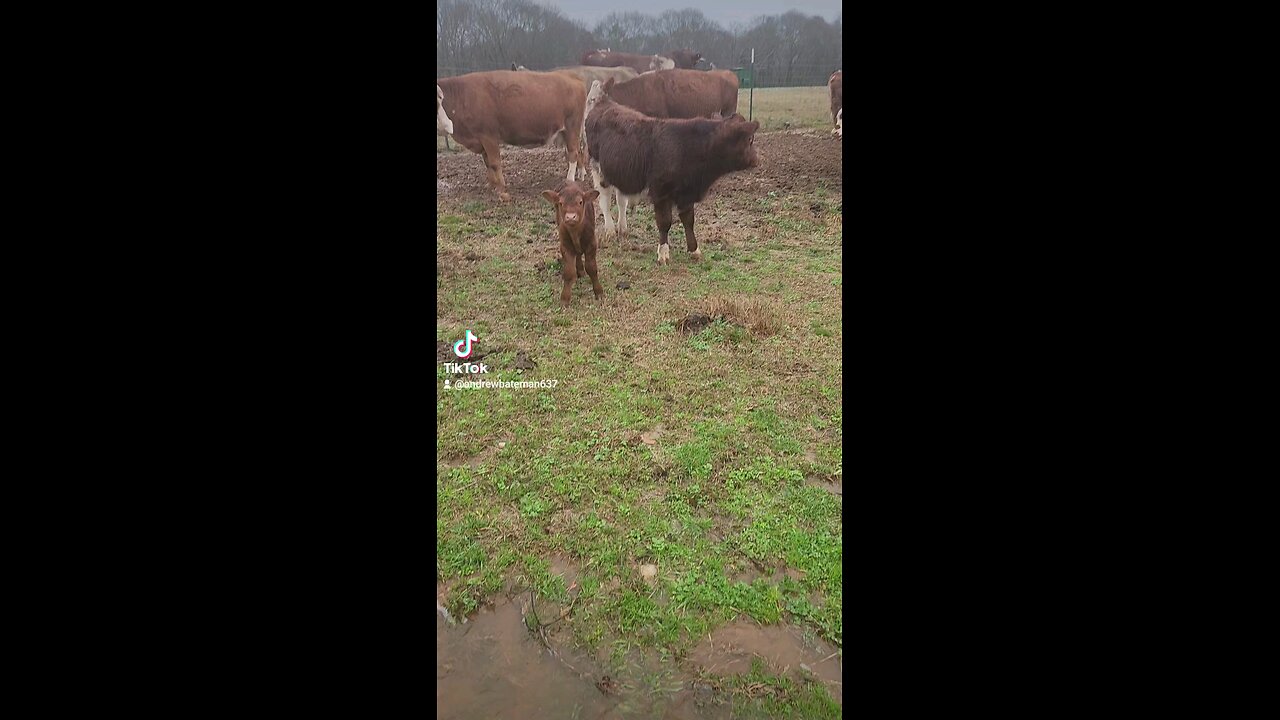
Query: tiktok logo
pixel 464 352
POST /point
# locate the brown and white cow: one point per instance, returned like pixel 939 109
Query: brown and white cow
pixel 674 161
pixel 835 85
pixel 680 93
pixel 639 63
pixel 444 126
pixel 524 109
pixel 685 59
pixel 576 222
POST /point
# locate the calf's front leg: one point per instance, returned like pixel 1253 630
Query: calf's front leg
pixel 595 275
pixel 662 213
pixel 568 263
pixel 690 240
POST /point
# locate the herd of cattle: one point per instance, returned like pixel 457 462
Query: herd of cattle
pixel 652 126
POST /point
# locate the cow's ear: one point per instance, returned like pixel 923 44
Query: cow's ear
pixel 551 196
pixel 591 195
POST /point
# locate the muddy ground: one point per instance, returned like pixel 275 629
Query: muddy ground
pixel 685 374
pixel 789 161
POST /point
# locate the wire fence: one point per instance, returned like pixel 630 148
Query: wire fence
pixel 807 75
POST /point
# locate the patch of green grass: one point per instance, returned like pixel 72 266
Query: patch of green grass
pixel 788 107
pixel 716 485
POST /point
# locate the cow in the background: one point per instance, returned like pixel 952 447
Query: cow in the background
pixel 515 67
pixel 685 59
pixel 589 74
pixel 444 126
pixel 679 93
pixel 639 63
pixel 835 84
pixel 526 109
pixel 576 223
pixel 674 161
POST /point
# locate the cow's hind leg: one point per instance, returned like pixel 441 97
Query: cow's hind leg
pixel 493 161
pixel 573 149
pixel 662 212
pixel 605 192
pixel 623 202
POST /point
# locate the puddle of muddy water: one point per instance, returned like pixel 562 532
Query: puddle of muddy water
pixel 730 649
pixel 493 667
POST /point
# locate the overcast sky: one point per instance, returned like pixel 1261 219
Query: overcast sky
pixel 723 12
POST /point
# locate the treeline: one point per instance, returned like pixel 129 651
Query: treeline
pixel 791 49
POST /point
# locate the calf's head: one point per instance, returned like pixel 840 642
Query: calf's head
pixel 571 205
pixel 734 143
pixel 443 123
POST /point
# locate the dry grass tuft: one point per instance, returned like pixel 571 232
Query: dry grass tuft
pixel 758 314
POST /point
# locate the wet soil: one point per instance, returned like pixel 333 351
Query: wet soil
pixel 730 649
pixel 494 667
pixel 792 160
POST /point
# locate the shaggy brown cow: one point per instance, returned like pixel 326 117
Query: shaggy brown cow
pixel 576 220
pixel 835 84
pixel 685 58
pixel 525 109
pixel 675 161
pixel 679 93
pixel 639 63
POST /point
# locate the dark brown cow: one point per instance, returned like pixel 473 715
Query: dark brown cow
pixel 526 109
pixel 675 161
pixel 576 220
pixel 639 63
pixel 680 93
pixel 684 58
pixel 835 84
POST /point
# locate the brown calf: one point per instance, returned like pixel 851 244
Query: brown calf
pixel 576 220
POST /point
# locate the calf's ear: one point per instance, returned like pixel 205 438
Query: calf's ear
pixel 591 195
pixel 552 196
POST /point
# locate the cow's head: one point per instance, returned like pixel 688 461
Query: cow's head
pixel 443 124
pixel 594 95
pixel 571 204
pixel 734 142
pixel 839 131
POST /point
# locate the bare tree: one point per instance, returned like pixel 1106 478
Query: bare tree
pixel 492 34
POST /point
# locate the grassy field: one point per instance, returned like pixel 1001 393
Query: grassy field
pixel 775 108
pixel 783 108
pixel 681 478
